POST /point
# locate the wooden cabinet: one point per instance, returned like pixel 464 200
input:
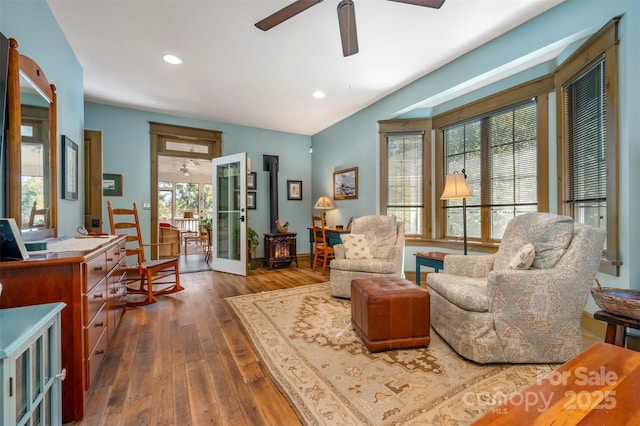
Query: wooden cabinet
pixel 83 274
pixel 169 235
pixel 30 370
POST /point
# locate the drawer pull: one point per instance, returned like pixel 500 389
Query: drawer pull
pixel 98 296
pixel 98 324
pixel 109 259
pixel 100 352
pixel 98 268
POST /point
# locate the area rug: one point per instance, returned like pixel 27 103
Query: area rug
pixel 305 340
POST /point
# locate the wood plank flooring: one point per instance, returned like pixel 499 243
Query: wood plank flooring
pixel 187 361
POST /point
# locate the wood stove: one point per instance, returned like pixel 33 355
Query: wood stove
pixel 280 250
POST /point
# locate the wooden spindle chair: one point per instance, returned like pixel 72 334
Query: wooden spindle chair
pixel 145 277
pixel 321 248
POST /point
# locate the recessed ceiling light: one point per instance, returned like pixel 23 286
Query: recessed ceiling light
pixel 172 59
pixel 318 94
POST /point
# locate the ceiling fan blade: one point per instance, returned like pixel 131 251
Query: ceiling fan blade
pixel 347 22
pixel 285 13
pixel 426 3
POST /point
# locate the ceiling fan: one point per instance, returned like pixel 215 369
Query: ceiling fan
pixel 186 169
pixel 346 18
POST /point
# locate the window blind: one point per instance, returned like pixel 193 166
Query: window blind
pixel 586 129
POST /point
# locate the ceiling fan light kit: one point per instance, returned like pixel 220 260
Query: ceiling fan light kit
pixel 346 18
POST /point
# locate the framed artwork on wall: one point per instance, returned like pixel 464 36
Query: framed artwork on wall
pixel 294 190
pixel 69 169
pixel 345 184
pixel 251 180
pixel 251 200
pixel 112 185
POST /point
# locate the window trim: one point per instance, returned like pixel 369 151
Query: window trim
pixel 604 42
pixel 399 126
pixel 538 88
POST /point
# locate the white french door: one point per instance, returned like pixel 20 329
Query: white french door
pixel 229 223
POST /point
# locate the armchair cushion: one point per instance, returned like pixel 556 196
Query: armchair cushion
pixel 356 246
pixel 523 259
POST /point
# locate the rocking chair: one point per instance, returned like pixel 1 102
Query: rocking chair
pixel 145 277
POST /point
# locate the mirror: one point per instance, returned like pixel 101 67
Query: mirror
pixel 32 154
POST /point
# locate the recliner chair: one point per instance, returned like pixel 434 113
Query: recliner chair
pixel 490 313
pixel 374 248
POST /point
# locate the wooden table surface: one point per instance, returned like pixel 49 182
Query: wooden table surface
pixel 600 386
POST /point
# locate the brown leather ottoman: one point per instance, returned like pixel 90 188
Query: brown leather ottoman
pixel 390 313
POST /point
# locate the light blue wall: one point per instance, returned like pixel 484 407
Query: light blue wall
pixel 126 151
pixel 33 25
pixel 355 139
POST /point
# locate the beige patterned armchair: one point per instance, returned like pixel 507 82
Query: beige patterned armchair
pixel 374 248
pixel 490 313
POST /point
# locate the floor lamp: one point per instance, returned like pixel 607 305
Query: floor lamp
pixel 455 188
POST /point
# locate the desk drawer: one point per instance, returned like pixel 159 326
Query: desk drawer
pixel 95 300
pixel 94 329
pixel 94 361
pixel 95 270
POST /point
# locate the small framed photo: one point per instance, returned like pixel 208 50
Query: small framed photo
pixel 69 169
pixel 112 185
pixel 251 180
pixel 345 184
pixel 251 200
pixel 294 190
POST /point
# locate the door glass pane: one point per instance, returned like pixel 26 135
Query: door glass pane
pixel 36 418
pixel 46 338
pixel 36 369
pixel 228 211
pixel 22 364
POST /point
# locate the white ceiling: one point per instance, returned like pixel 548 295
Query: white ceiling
pixel 235 73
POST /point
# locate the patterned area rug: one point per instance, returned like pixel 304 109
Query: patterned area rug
pixel 306 342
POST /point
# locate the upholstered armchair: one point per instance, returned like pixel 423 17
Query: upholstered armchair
pixel 374 248
pixel 523 304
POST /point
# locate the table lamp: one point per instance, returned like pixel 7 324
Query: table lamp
pixel 324 203
pixel 455 188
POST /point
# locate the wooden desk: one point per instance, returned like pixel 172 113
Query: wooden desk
pixel 432 259
pixel 333 238
pixel 597 387
pixel 616 326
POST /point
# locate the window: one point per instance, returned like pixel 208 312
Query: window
pixel 498 153
pixel 587 95
pixel 405 172
pixel 501 144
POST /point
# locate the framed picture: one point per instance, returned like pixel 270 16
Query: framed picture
pixel 294 190
pixel 69 169
pixel 251 180
pixel 345 184
pixel 112 185
pixel 251 200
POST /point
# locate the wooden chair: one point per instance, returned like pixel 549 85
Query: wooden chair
pixel 43 213
pixel 146 277
pixel 321 248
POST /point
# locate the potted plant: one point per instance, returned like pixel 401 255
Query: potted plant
pixel 253 239
pixel 205 221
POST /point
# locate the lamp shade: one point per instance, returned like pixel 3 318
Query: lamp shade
pixel 324 203
pixel 455 187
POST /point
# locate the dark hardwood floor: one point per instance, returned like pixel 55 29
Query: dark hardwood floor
pixel 187 361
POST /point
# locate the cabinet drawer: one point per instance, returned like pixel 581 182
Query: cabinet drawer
pixel 95 359
pixel 95 299
pixel 96 269
pixel 112 258
pixel 94 330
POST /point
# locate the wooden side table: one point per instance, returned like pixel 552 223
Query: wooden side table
pixel 616 326
pixel 597 387
pixel 432 259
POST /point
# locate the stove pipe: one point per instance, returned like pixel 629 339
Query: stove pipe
pixel 270 164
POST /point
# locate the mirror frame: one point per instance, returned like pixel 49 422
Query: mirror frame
pixel 29 69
